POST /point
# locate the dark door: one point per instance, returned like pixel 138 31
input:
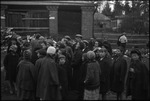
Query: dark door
pixel 69 20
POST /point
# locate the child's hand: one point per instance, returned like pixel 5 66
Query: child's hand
pixel 60 87
pixel 131 70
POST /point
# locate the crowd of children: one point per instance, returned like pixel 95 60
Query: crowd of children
pixel 40 68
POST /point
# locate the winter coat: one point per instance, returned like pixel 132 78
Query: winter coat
pixel 76 64
pixel 48 81
pixel 35 46
pixel 62 74
pixel 138 81
pixel 26 76
pixel 70 52
pixel 105 64
pixel 82 76
pixel 37 67
pixel 118 73
pixel 10 63
pixel 92 80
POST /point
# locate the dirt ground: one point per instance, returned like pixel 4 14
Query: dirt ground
pixel 5 95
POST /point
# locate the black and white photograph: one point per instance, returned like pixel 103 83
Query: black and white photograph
pixel 75 50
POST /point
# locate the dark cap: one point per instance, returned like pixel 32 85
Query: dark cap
pixel 67 37
pixel 62 56
pixel 41 51
pixel 79 35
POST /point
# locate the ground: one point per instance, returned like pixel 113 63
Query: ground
pixel 5 95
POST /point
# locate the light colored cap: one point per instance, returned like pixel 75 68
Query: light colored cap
pixel 51 50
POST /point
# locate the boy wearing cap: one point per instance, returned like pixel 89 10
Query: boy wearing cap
pixel 62 74
pixel 138 78
pixel 78 39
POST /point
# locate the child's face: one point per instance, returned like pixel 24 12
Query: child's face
pixel 134 56
pixel 43 45
pixel 102 54
pixel 96 44
pixel 77 45
pixel 59 52
pixel 38 54
pixel 62 60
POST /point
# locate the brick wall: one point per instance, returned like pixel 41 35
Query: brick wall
pixel 87 22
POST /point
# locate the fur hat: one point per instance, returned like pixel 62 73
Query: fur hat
pixel 51 50
pixel 91 55
pixel 136 51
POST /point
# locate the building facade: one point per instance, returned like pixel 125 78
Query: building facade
pixel 49 18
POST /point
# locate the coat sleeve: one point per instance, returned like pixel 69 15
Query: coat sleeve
pixel 54 73
pixel 145 77
pixel 77 60
pixel 123 70
pixel 37 68
pixel 89 75
pixel 19 76
pixel 5 62
pixel 33 72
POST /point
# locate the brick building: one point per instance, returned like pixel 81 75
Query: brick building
pixel 50 18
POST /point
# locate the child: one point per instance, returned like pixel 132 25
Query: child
pixel 92 83
pixel 10 63
pixel 83 71
pixel 26 78
pixel 62 74
pixel 105 64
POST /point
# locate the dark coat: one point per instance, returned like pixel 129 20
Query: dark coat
pixel 37 67
pixel 10 63
pixel 67 67
pixel 48 82
pixel 26 76
pixel 138 81
pixel 83 71
pixel 62 74
pixel 118 73
pixel 70 52
pixel 76 64
pixel 35 46
pixel 105 64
